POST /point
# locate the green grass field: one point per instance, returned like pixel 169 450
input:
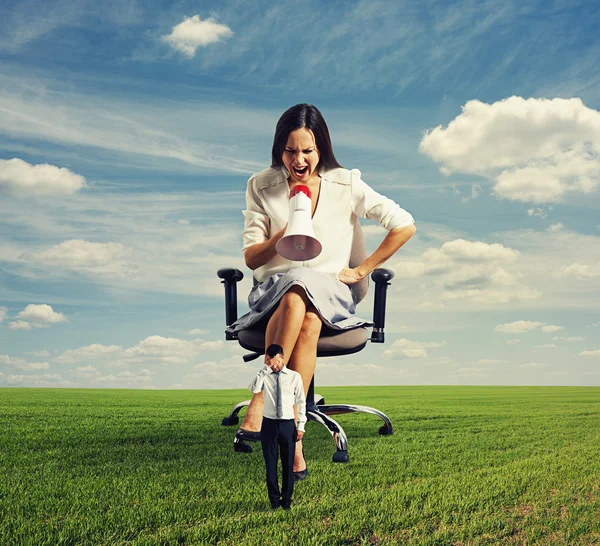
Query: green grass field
pixel 465 466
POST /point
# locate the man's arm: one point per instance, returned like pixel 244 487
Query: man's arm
pixel 300 401
pixel 257 383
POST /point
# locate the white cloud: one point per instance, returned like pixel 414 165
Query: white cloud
pixel 19 325
pixel 543 254
pixel 123 380
pixel 152 350
pixel 472 251
pixel 539 212
pixel 430 305
pixel 203 366
pixel 37 316
pixel 212 345
pixel 86 372
pixel 547 346
pixel 153 252
pixel 493 296
pixel 536 150
pixel 173 136
pixel 517 327
pixel 232 372
pixel 229 372
pixel 472 372
pixel 23 179
pixel 521 326
pixel 491 361
pixel 406 348
pixel 194 32
pixel 471 271
pixel 513 341
pixel 197 332
pixel 89 352
pixel 42 354
pixel 97 258
pixel 532 365
pixel 571 339
pixel 579 271
pixel 549 328
pixel 3 313
pixel 590 353
pixel 22 364
pixel 166 349
pixel 52 380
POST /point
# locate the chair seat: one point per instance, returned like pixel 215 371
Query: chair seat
pixel 331 342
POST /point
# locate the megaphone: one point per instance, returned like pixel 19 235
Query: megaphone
pixel 299 242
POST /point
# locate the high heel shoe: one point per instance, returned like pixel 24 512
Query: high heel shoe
pixel 301 474
pixel 248 435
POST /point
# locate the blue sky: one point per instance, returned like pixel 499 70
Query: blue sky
pixel 128 131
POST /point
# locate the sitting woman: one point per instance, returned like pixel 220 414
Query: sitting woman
pixel 297 298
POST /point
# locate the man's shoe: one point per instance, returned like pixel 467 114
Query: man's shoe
pixel 248 435
pixel 275 505
pixel 285 506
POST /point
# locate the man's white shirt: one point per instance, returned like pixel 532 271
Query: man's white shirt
pixel 291 392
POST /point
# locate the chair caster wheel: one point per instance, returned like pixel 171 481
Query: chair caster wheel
pixel 386 431
pixel 229 421
pixel 340 457
pixel 241 447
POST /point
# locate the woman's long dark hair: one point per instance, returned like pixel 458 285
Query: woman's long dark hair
pixel 304 116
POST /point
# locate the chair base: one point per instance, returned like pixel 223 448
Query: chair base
pixel 319 413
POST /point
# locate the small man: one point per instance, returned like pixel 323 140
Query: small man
pixel 282 388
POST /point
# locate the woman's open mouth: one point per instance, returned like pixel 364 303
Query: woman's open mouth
pixel 300 171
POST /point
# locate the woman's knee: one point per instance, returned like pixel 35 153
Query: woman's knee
pixel 311 325
pixel 295 297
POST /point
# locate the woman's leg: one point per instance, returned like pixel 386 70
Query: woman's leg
pixel 304 357
pixel 304 361
pixel 283 328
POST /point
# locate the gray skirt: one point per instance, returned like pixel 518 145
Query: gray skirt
pixel 331 298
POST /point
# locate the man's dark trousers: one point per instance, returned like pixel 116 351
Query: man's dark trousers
pixel 279 434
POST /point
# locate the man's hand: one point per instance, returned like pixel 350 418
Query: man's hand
pixel 275 363
pixel 349 276
pixel 299 435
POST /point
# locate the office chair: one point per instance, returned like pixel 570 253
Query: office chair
pixel 331 343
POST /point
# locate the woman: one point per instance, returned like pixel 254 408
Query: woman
pixel 297 298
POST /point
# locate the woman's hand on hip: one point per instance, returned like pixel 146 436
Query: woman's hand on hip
pixel 349 276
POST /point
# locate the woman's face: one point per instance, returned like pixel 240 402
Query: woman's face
pixel 301 156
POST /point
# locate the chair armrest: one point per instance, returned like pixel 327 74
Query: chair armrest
pixel 230 278
pixel 230 274
pixel 380 278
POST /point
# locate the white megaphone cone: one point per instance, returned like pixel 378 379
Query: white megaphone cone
pixel 299 242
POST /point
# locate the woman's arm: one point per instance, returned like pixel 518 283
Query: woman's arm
pixel 261 253
pixel 392 242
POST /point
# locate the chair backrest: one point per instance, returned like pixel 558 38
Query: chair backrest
pixel 358 255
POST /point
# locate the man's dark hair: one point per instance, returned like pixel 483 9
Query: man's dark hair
pixel 304 116
pixel 273 350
